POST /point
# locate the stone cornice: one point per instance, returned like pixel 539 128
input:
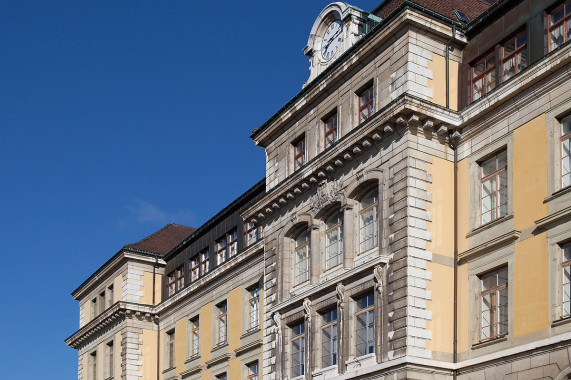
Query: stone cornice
pixel 116 313
pixel 505 238
pixel 248 347
pixel 406 111
pixel 554 217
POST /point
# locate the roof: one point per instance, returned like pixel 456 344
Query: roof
pixel 162 241
pixel 471 8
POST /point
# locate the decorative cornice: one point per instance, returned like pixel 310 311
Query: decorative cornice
pixel 248 347
pixel 218 359
pixel 554 217
pixel 505 238
pixel 190 371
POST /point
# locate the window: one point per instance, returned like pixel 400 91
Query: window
pixel 565 152
pixel 176 280
pixel 253 233
pixel 494 187
pixel 483 76
pixel 366 104
pixel 329 339
pixel 559 26
pixel 330 125
pixel 110 295
pixel 92 366
pixel 298 350
pixel 334 240
pixel 494 304
pixel 227 247
pixel 195 268
pixel 170 347
pixel 108 373
pixel 222 322
pixel 254 308
pixel 253 370
pixel 221 251
pixel 101 302
pixel 369 221
pixel 365 325
pixel 302 253
pixel 222 376
pixel 299 153
pixel 93 308
pixel 204 262
pixel 195 336
pixel 232 243
pixel 514 55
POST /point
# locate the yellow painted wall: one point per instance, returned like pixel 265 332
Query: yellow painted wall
pixel 117 356
pixel 463 308
pixel 206 340
pixel 463 206
pixel 149 354
pixel 530 172
pixel 117 288
pixel 146 288
pixel 206 375
pixel 438 81
pixel 442 307
pixel 442 207
pixel 531 288
pixel 235 311
pixel 180 345
pixel 235 369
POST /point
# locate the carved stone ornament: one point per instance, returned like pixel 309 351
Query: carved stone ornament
pixel 277 323
pixel 307 308
pixel 340 295
pixel 378 273
pixel 327 192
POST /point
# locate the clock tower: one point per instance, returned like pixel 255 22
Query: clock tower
pixel 335 30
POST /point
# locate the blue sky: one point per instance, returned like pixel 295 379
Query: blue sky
pixel 118 117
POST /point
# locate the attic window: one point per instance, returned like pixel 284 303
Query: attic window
pixel 461 16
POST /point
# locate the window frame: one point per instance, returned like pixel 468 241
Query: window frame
pixel 222 322
pixel 330 127
pixel 195 268
pixel 252 233
pixel 295 144
pixel 495 316
pixel 369 344
pixel 298 370
pixel 306 248
pixel 375 206
pixel 170 345
pixel 514 54
pixel 497 209
pixel 204 262
pixel 562 138
pixel 108 371
pixel 369 104
pixel 338 228
pixel 563 22
pixel 92 365
pixel 332 342
pixel 483 75
pixel 221 250
pixel 253 375
pixel 194 336
pixel 254 308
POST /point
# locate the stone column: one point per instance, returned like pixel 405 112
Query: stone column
pixel 341 357
pixel 349 247
pixel 380 308
pixel 315 253
pixel 309 365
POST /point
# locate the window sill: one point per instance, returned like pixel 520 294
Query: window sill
pixel 219 346
pixel 557 194
pixel 489 342
pixel 250 332
pixel 192 358
pixel 361 362
pixel 169 369
pixel 488 225
pixel 561 321
pixel 326 372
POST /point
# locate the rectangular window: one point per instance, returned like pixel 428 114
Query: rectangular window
pixel 330 125
pixel 483 76
pixel 565 152
pixel 110 295
pixel 559 26
pixel 299 153
pixel 92 366
pixel 221 251
pixel 195 336
pixel 514 56
pixel 204 262
pixel 253 233
pixel 222 376
pixel 171 283
pixel 369 221
pixel 366 104
pixel 494 321
pixel 108 373
pixel 232 243
pixel 195 268
pixel 302 257
pixel 365 325
pixel 329 339
pixel 170 347
pixel 254 308
pixel 334 240
pixel 175 280
pixel 298 350
pixel 494 185
pixel 179 278
pixel 253 370
pixel 222 322
pixel 101 302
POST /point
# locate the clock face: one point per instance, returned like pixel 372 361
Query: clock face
pixel 332 39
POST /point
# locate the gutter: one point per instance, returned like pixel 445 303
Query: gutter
pixel 454 137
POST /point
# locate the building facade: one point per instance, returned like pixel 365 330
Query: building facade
pixel 416 213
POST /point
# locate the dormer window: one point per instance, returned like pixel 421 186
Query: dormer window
pixel 559 26
pixel 483 76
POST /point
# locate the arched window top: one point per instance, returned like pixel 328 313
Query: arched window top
pixel 334 219
pixel 302 238
pixel 370 198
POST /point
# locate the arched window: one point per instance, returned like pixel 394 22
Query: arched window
pixel 302 253
pixel 334 240
pixel 369 221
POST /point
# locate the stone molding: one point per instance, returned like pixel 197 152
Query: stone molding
pixel 503 239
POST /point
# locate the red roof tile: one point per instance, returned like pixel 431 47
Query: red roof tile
pixel 162 241
pixel 472 8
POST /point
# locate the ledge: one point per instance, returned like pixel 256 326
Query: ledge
pixel 192 358
pixel 218 359
pixel 168 370
pixel 251 332
pixel 489 342
pixel 190 371
pixel 506 238
pixel 556 216
pixel 488 225
pixel 248 347
pixel 557 194
pixel 561 321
